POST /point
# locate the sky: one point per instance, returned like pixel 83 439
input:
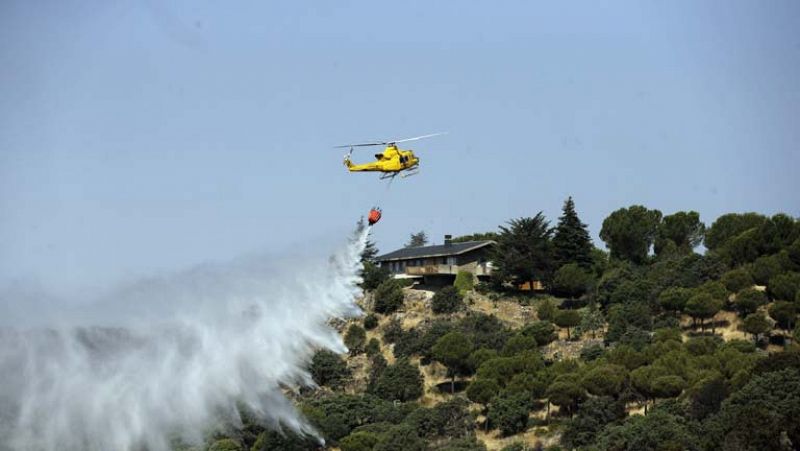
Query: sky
pixel 140 137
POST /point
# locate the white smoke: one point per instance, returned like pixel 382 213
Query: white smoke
pixel 168 357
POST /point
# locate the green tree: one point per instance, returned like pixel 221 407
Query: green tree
pixel 388 297
pixel 784 314
pixel 748 300
pixel 762 415
pixel 452 351
pixel 567 319
pixel 402 437
pixel 401 381
pixel 359 441
pixel 328 368
pixel 571 241
pixel 668 386
pixel 418 239
pixel 566 392
pixel 755 324
pixel 765 268
pixel 479 356
pixel 674 299
pixel 464 282
pixel 524 251
pixel 447 300
pixel 509 413
pixel 605 380
pixel 518 344
pixel 629 232
pixel 737 279
pixel 729 226
pixel 482 391
pixel 542 331
pixel 703 306
pixel 372 276
pixel 592 417
pixel 682 230
pixel 661 430
pixel 784 287
pixel 571 280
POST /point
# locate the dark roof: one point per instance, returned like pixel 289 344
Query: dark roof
pixel 439 250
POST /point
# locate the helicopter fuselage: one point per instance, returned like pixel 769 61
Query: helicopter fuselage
pixel 391 159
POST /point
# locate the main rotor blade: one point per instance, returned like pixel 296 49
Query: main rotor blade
pixel 416 138
pixel 361 145
pixel 386 143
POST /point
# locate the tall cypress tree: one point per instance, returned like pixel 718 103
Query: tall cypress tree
pixel 571 241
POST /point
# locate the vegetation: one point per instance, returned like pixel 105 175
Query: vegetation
pixel 447 300
pixel 418 239
pixel 642 331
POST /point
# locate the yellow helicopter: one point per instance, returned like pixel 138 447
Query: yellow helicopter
pixel 391 161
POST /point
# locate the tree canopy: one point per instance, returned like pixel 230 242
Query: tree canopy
pixel 629 232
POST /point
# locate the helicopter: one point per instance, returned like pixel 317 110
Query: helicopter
pixel 391 162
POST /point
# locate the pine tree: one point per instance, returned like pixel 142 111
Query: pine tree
pixel 418 239
pixel 571 241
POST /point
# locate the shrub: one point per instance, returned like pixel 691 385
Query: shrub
pixel 355 338
pixel 546 310
pixel 592 352
pixel 393 331
pixel 736 280
pixel 359 441
pixel 328 368
pixel 447 300
pixel 388 297
pixel 542 331
pixel 465 281
pixel 373 347
pixel 518 344
pixel 509 413
pixel 370 321
pixel 401 381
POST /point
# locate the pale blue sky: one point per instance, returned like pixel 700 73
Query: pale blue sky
pixel 138 137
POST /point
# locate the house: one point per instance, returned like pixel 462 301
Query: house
pixel 439 264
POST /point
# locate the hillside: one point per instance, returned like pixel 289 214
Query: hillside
pixel 632 349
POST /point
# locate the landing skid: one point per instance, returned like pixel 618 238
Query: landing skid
pixel 409 173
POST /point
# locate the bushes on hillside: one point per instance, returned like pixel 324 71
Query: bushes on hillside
pixel 401 381
pixel 447 300
pixel 388 297
pixel 355 338
pixel 328 368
